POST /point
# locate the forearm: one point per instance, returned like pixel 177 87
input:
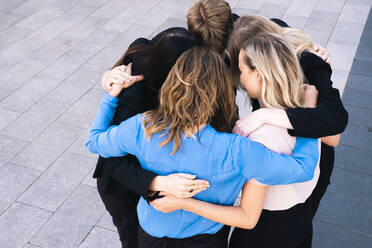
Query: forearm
pixel 276 117
pixel 128 172
pixel 332 140
pixel 227 215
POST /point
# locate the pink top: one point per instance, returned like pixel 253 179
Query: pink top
pixel 282 197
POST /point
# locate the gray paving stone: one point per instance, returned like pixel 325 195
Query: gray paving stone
pixel 73 220
pixel 360 2
pixel 347 33
pixel 295 21
pixel 330 5
pixel 49 32
pixel 354 13
pixel 100 237
pixel 359 98
pixel 79 146
pixel 89 180
pixel 48 146
pixel 9 147
pixel 318 37
pixel 272 10
pixel 112 8
pixel 362 67
pixel 359 116
pixel 351 184
pixel 106 222
pixel 28 245
pixel 353 158
pixel 357 136
pixel 284 2
pixel 85 27
pixel 30 7
pixel 81 81
pixel 14 181
pixel 365 41
pixel 20 73
pixel 342 55
pixel 58 181
pixel 131 34
pixel 81 114
pixel 322 20
pixel 66 65
pixel 7 116
pixel 8 20
pixel 156 16
pixel 10 5
pixel 62 6
pixel 254 4
pixel 30 93
pixel 244 11
pixel 17 53
pixel 20 223
pixel 77 13
pixel 339 79
pixel 343 212
pixel 332 236
pixel 39 19
pixel 13 35
pixel 54 49
pixel 4 93
pixel 34 121
pixel 301 7
pixel 364 54
pixel 169 23
pixel 360 82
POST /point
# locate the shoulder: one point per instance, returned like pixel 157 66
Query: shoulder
pixel 309 60
pixel 275 138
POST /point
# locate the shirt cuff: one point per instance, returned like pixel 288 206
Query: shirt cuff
pixel 110 98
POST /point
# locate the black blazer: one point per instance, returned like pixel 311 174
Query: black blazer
pixel 118 175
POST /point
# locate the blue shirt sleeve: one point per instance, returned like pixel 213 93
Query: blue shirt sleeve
pixel 253 160
pixel 112 141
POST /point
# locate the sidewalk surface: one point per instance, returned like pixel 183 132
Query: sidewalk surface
pixel 52 55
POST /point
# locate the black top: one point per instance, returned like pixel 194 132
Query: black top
pixel 122 173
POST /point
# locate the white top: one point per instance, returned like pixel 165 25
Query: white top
pixel 282 197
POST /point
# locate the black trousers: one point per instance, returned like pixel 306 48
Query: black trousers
pixel 124 214
pixel 292 227
pixel 217 240
pixel 286 229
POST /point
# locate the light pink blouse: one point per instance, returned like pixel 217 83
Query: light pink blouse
pixel 282 197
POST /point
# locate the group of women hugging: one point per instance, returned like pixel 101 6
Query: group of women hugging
pixel 174 156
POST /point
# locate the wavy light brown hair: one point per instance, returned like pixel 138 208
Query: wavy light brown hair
pixel 279 70
pixel 211 21
pixel 197 90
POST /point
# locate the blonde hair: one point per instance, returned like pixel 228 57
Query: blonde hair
pixel 279 69
pixel 211 21
pixel 247 27
pixel 197 91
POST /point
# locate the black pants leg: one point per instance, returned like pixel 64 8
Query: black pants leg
pixel 124 215
pixel 326 164
pixel 217 240
pixel 280 229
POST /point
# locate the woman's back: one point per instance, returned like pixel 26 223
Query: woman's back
pixel 282 197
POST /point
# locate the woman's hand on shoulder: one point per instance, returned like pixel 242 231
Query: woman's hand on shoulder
pixel 119 78
pixel 323 53
pixel 250 123
pixel 181 185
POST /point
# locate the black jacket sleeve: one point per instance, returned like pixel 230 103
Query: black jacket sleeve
pixel 330 116
pixel 127 170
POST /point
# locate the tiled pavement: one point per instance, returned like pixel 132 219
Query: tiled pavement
pixel 52 54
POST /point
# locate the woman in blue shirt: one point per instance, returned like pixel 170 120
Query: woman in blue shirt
pixel 177 137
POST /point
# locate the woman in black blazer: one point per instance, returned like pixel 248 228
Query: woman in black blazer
pixel 121 181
